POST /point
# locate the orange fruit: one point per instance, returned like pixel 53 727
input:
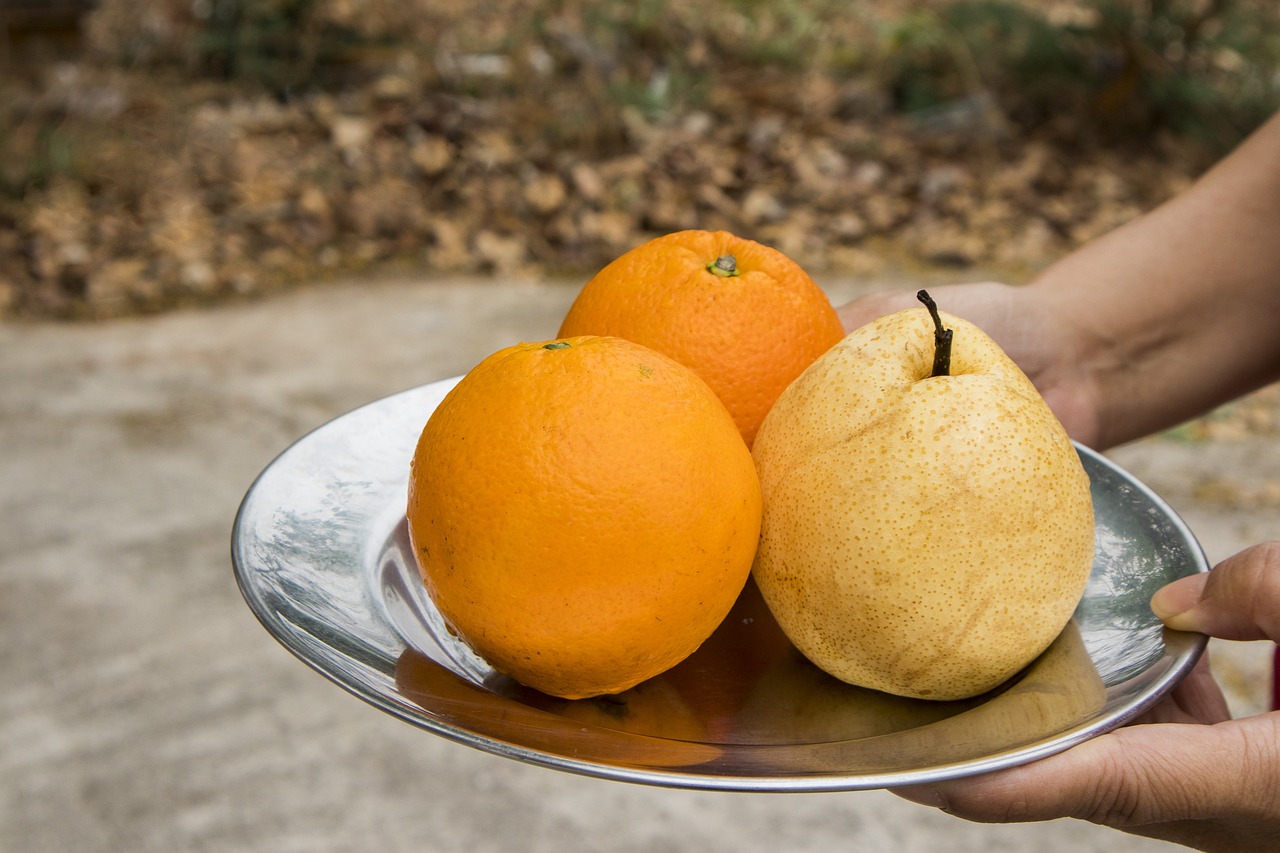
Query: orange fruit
pixel 742 315
pixel 584 513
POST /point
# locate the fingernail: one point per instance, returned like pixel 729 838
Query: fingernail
pixel 1174 602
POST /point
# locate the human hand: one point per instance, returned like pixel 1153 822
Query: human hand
pixel 1186 772
pixel 1026 325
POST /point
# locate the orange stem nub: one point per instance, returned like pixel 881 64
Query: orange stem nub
pixel 723 266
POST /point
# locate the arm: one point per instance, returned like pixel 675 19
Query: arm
pixel 1179 311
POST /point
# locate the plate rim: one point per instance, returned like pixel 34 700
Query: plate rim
pixel 416 715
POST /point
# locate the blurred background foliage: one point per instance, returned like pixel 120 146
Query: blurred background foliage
pixel 1204 67
pixel 1208 68
pixel 158 151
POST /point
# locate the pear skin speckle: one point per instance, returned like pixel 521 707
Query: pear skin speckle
pixel 923 536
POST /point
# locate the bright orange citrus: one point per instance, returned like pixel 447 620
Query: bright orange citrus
pixel 584 513
pixel 742 315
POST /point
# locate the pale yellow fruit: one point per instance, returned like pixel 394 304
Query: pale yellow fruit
pixel 924 536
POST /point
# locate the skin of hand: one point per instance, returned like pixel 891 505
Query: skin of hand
pixel 1188 774
pixel 1157 322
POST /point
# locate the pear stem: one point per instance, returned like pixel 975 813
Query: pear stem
pixel 941 337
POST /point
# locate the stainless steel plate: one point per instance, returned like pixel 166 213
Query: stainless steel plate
pixel 321 554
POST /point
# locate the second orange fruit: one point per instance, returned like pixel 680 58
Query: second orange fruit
pixel 742 315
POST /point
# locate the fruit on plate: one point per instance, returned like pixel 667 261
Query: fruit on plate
pixel 928 526
pixel 583 513
pixel 742 315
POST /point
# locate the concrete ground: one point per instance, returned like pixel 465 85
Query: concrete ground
pixel 144 708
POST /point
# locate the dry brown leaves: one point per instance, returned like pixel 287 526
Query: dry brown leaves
pixel 188 191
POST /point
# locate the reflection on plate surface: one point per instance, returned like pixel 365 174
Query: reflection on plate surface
pixel 321 553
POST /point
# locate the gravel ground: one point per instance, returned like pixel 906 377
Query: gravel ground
pixel 145 709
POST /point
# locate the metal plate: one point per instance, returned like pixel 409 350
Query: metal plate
pixel 321 553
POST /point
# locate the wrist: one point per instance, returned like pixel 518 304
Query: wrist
pixel 1061 354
